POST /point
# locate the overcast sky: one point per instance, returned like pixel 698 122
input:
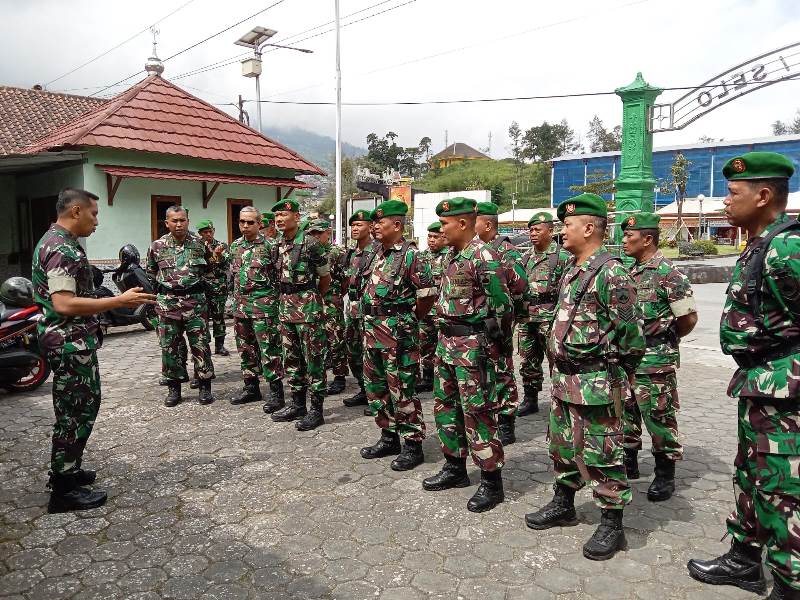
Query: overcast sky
pixel 423 50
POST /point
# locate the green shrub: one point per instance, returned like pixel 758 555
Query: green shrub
pixel 709 248
pixel 697 248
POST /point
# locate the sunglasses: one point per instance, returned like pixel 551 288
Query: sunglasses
pixel 244 222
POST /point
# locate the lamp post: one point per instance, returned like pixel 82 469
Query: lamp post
pixel 256 39
pixel 700 199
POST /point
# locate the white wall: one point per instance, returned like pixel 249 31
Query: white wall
pixel 425 209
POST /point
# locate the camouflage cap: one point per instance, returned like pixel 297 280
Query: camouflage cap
pixel 286 205
pixel 205 224
pixel 360 215
pixel 435 227
pixel 456 206
pixel 584 204
pixel 318 225
pixel 487 209
pixel 758 165
pixel 267 217
pixel 390 208
pixel 641 221
pixel 540 217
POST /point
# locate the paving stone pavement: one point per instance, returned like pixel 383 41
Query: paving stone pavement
pixel 220 502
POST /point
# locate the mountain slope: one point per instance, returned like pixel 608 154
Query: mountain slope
pixel 319 149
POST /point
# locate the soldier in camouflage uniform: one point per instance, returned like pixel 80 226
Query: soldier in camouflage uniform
pixel 335 347
pixel 434 255
pixel 594 347
pixel 396 280
pixel 304 277
pixel 179 263
pixel 760 328
pixel 670 313
pixel 544 264
pixel 517 281
pixel 216 284
pixel 473 304
pixel 255 311
pixel 68 336
pixel 268 229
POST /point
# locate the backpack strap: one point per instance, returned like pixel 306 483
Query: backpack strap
pixel 497 242
pixel 399 264
pixel 552 263
pixel 584 282
pixel 297 249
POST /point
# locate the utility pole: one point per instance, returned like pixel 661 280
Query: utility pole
pixel 489 147
pixel 243 116
pixel 338 231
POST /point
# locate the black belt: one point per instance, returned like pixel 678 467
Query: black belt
pixel 571 368
pixel 461 329
pixel 660 338
pixel 293 288
pixel 192 289
pixel 378 310
pixel 353 295
pixel 544 298
pixel 749 360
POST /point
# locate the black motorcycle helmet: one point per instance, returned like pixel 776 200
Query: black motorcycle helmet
pixel 17 291
pixel 129 255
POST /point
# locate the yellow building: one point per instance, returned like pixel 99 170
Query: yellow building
pixel 455 153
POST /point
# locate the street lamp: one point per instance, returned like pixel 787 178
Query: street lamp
pixel 700 198
pixel 257 39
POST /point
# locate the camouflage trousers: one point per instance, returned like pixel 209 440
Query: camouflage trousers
pixel 390 380
pixel 531 343
pixel 507 394
pixel 304 356
pixel 465 412
pixel 216 312
pixel 259 344
pixel 428 338
pixel 354 338
pixel 586 448
pixel 335 346
pixel 654 400
pixel 173 356
pixel 766 483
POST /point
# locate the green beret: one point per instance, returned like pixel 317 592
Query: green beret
pixel 205 224
pixel 456 206
pixel 290 205
pixel 487 208
pixel 360 215
pixel 758 165
pixel 390 208
pixel 540 217
pixel 267 217
pixel 585 204
pixel 318 225
pixel 435 227
pixel 641 221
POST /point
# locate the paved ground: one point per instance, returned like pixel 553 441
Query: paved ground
pixel 220 502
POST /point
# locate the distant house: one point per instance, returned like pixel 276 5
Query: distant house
pixel 455 153
pixel 151 146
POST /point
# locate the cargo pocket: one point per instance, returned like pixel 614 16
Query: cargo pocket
pixel 778 463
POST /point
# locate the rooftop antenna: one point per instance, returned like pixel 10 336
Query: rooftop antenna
pixel 154 66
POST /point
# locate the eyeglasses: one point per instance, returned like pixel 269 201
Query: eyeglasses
pixel 244 222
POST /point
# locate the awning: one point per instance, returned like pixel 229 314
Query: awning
pixel 215 179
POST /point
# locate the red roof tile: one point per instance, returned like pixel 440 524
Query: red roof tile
pixel 157 116
pixel 27 115
pixel 118 171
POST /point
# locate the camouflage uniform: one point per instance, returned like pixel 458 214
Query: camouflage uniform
pixel 335 347
pixel 664 294
pixel 355 261
pixel 217 288
pixel 255 296
pixel 69 344
pixel 465 386
pixel 300 311
pixel 180 270
pixel 428 334
pixel 592 357
pixel 766 479
pixel 391 329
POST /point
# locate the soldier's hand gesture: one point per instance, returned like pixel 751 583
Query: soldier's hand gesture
pixel 134 297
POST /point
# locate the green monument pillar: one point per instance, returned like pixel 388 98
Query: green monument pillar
pixel 635 183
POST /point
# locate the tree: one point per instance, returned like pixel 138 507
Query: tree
pixel 787 128
pixel 602 140
pixel 566 138
pixel 516 149
pixel 679 176
pixel 425 147
pixel 540 143
pixel 597 182
pixel 384 152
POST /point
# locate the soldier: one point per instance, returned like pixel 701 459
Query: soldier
pixel 544 264
pixel 473 304
pixel 428 334
pixel 304 276
pixel 333 311
pixel 268 229
pixel 68 338
pixel 760 328
pixel 595 345
pixel 216 284
pixel 255 298
pixel 179 263
pixel 517 282
pixel 670 313
pixel 396 280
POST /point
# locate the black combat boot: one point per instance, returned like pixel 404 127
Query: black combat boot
pixel 368 411
pixel 251 392
pixel 219 346
pixel 631 464
pixel 608 538
pixel 452 475
pixel 489 493
pixel 173 393
pixel 664 483
pixel 84 476
pixel 293 411
pixel 358 399
pixel 337 385
pixel 387 445
pixel 411 456
pixel 205 396
pixel 314 417
pixel 276 398
pixel 194 383
pixel 559 511
pixel 426 382
pixel 530 401
pixel 67 495
pixel 782 591
pixel 505 429
pixel 739 566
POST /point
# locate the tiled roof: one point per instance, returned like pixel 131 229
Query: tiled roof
pixel 27 115
pixel 157 116
pixel 198 176
pixel 460 150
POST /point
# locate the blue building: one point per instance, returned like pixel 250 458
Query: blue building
pixel 705 172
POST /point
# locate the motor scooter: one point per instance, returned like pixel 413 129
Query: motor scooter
pixel 22 367
pixel 129 274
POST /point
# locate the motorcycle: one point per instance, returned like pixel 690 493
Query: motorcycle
pixel 22 367
pixel 128 274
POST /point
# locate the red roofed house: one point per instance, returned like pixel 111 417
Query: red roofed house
pixel 148 148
